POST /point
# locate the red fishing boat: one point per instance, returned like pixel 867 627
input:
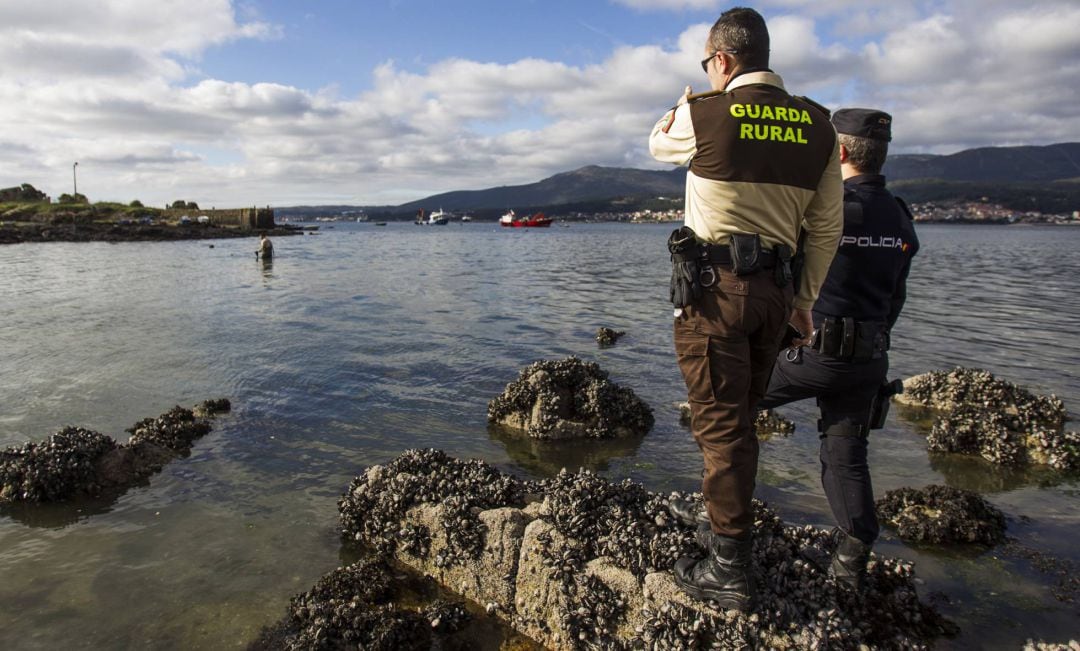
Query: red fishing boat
pixel 535 221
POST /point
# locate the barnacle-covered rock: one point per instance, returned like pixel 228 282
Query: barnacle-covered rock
pixel 59 468
pixel 972 387
pixel 349 608
pixel 208 408
pixel 373 509
pixel 1032 645
pixel 76 462
pixel 607 336
pixel 176 430
pixel 586 564
pixel 446 616
pixel 569 399
pixel 942 515
pixel 992 418
pixel 766 422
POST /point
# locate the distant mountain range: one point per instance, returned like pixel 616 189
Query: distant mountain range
pixel 1044 178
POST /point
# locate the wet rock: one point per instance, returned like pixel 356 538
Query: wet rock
pixel 593 566
pixel 570 399
pixel 208 408
pixel 1064 572
pixel 992 418
pixel 446 617
pixel 349 608
pixel 76 462
pixel 766 422
pixel 1071 645
pixel 374 508
pixel 175 430
pixel 942 515
pixel 607 336
pixel 54 470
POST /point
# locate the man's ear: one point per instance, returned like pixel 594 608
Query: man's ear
pixel 843 153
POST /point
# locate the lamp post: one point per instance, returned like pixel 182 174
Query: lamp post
pixel 74 181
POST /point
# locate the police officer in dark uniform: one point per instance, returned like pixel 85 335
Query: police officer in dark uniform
pixel 846 363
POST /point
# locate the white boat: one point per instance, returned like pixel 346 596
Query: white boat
pixel 466 218
pixel 438 218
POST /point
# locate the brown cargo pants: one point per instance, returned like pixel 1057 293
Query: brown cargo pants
pixel 726 344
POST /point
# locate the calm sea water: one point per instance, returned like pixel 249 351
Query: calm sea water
pixel 360 342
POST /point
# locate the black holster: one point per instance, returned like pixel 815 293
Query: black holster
pixel 784 275
pixel 850 340
pixel 879 408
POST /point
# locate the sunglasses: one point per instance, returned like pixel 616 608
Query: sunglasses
pixel 706 60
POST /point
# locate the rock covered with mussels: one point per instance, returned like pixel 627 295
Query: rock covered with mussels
pixel 570 399
pixel 993 418
pixel 766 422
pixel 77 462
pixel 942 515
pixel 588 565
pixel 355 607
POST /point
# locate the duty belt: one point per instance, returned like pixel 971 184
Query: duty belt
pixel 849 340
pixel 720 254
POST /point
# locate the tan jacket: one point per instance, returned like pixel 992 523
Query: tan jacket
pixel 761 161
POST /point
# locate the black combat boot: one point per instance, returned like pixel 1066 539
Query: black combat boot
pixel 692 513
pixel 725 575
pixel 849 560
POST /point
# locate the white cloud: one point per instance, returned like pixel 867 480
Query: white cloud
pixel 668 5
pixel 109 83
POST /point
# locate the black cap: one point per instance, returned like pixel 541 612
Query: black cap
pixel 864 123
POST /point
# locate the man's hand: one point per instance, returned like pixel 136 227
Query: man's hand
pixel 686 94
pixel 803 321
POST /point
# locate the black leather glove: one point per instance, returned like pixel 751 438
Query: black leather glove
pixel 685 285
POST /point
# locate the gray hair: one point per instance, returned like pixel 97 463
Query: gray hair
pixel 865 154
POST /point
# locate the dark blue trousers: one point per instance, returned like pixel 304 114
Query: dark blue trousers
pixel 845 392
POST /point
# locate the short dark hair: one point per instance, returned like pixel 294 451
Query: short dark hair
pixel 741 31
pixel 865 154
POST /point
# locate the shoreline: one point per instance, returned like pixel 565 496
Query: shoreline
pixel 23 232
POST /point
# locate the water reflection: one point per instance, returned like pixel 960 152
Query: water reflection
pixel 972 472
pixel 977 474
pixel 546 458
pixel 60 515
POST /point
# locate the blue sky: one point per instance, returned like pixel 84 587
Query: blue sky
pixel 232 102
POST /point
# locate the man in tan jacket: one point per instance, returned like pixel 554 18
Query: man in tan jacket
pixel 762 163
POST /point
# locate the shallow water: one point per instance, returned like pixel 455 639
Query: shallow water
pixel 360 342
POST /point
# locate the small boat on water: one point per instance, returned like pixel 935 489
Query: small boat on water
pixel 380 223
pixel 537 220
pixel 437 218
pixel 466 218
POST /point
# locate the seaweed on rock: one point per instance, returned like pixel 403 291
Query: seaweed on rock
pixel 570 398
pixel 942 515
